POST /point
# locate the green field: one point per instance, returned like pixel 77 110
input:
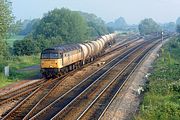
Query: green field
pixel 17 63
pixel 162 96
pixel 11 40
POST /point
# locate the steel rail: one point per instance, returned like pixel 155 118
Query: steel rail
pixel 110 85
pixel 126 80
pixel 39 105
pixel 50 106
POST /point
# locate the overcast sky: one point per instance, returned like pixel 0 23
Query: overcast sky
pixel 132 10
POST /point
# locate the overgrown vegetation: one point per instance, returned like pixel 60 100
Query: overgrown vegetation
pixel 17 63
pixel 162 96
pixel 5 21
pixel 148 26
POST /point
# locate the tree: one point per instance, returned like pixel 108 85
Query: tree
pixel 178 28
pixel 24 47
pixel 178 25
pixel 15 28
pixel 5 21
pixel 119 24
pixel 69 25
pixel 28 26
pixel 148 26
pixel 170 27
pixel 178 21
pixel 96 26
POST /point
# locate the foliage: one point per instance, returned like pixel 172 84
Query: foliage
pixel 29 46
pixel 17 63
pixel 178 28
pixel 59 26
pixel 15 28
pixel 170 27
pixel 24 47
pixel 178 25
pixel 178 21
pixel 5 81
pixel 69 25
pixel 148 26
pixel 119 24
pixel 10 41
pixel 96 26
pixel 5 17
pixel 28 26
pixel 20 62
pixel 5 21
pixel 162 97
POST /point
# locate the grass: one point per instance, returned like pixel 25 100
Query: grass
pixel 20 62
pixel 4 81
pixel 162 96
pixel 11 40
pixel 17 63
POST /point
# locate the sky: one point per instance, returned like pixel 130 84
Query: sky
pixel 133 11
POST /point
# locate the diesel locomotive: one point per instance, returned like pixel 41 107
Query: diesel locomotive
pixel 58 60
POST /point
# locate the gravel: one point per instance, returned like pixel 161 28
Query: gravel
pixel 126 104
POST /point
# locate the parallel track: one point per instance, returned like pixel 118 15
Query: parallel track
pixel 19 111
pixel 27 104
pixel 99 105
pixel 23 91
pixel 69 97
pixel 26 90
pixel 53 95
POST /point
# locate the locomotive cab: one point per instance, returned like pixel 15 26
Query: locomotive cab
pixel 51 62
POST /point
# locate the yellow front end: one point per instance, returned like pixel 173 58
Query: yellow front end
pixel 51 63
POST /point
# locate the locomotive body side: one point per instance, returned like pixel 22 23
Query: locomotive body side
pixel 56 62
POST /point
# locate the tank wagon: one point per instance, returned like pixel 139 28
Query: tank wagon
pixel 58 60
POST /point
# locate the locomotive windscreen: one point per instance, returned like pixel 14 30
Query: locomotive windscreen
pixel 50 56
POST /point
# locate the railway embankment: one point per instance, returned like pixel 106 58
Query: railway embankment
pixel 162 92
pixel 155 75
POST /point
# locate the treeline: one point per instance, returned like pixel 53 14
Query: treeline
pixel 149 26
pixel 5 21
pixel 59 26
pixel 63 26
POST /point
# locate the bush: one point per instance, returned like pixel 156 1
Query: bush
pixel 25 47
pixel 161 101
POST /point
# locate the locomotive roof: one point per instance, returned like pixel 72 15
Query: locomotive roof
pixel 63 48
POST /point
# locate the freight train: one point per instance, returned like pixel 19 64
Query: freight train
pixel 58 60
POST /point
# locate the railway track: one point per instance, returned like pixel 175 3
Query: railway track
pixel 26 90
pixel 48 99
pixel 19 111
pixel 69 96
pixel 26 105
pixel 23 91
pixel 94 101
pixel 99 104
pixel 96 89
